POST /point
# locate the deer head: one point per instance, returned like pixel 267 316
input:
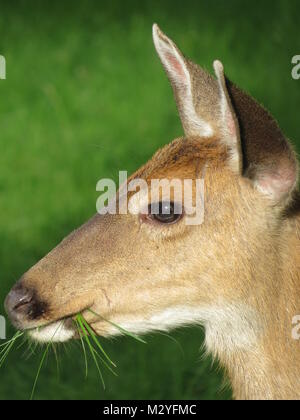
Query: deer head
pixel 149 272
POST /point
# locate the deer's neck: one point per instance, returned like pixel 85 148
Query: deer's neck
pixel 257 347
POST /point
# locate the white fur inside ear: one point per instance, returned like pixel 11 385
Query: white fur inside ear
pixel 176 68
pixel 171 58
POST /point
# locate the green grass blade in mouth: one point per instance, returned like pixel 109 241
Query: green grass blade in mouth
pixel 80 322
pixel 56 359
pixel 42 362
pixel 83 348
pixel 8 342
pixel 5 353
pixel 8 346
pixel 39 370
pixel 17 335
pixel 94 337
pixel 22 344
pixel 31 349
pixel 125 332
pixel 105 363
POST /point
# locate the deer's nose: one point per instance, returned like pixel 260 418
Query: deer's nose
pixel 18 298
pixel 21 304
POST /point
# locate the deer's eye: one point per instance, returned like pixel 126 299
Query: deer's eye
pixel 165 212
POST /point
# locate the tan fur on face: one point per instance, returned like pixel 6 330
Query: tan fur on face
pixel 58 268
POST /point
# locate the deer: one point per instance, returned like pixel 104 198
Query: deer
pixel 236 273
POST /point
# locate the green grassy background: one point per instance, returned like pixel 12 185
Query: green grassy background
pixel 85 96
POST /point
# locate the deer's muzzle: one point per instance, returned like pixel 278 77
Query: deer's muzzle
pixel 22 305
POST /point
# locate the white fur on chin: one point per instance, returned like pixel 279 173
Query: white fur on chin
pixel 57 332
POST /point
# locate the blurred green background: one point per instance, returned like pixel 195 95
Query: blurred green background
pixel 85 97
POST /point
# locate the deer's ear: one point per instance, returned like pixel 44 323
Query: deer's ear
pixel 208 107
pixel 268 158
pixel 204 104
pixel 228 123
pixel 178 72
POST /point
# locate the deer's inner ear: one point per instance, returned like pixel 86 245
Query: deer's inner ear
pixel 203 103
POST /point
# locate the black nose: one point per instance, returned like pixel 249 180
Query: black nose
pixel 21 305
pixel 18 298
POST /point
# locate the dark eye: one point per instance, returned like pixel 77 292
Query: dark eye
pixel 165 212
